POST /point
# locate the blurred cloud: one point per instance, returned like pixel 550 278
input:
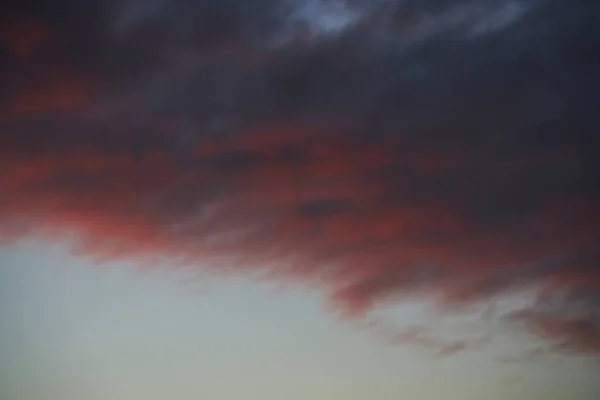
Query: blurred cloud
pixel 402 156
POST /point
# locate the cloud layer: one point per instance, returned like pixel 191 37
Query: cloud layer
pixel 377 150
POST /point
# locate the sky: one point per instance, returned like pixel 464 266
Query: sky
pixel 299 199
pixel 72 330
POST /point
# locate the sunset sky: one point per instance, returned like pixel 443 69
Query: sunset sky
pixel 299 199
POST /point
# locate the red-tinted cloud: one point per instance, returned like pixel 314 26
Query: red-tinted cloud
pixel 23 37
pixel 338 164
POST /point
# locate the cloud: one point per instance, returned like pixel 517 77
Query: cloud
pixel 403 156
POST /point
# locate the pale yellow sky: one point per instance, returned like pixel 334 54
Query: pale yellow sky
pixel 71 330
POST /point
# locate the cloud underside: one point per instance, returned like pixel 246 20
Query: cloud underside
pixel 380 152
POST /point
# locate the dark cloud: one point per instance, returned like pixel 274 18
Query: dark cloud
pixel 377 150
